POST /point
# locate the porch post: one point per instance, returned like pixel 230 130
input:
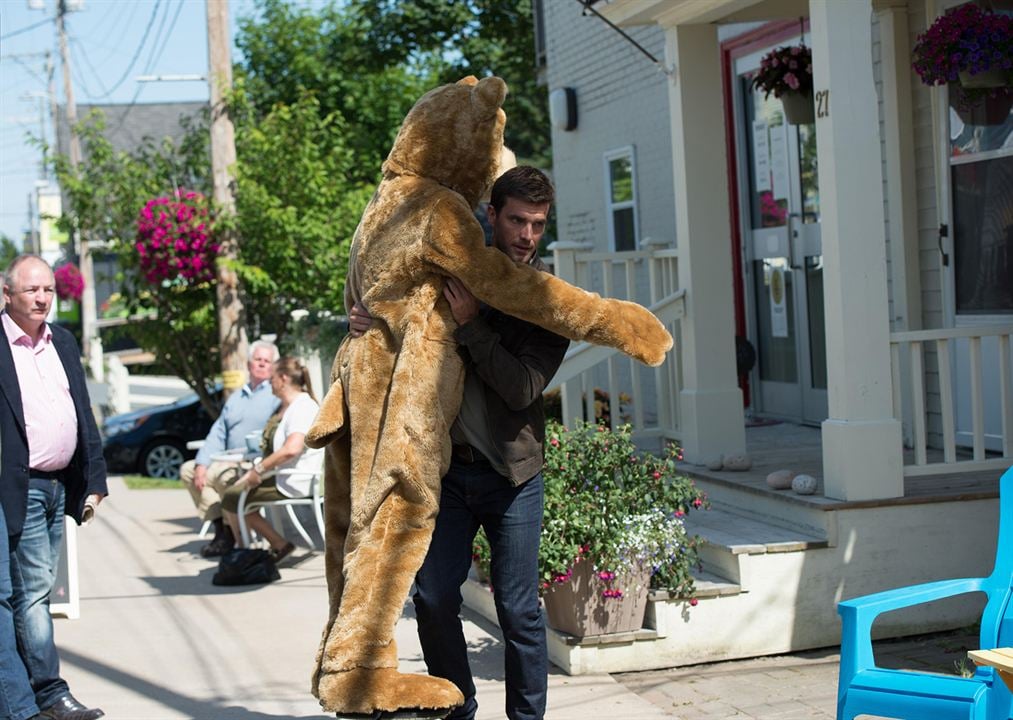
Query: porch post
pixel 711 417
pixel 862 457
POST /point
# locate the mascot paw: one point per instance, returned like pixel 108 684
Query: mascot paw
pixel 368 690
pixel 397 715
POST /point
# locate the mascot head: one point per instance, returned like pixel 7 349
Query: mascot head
pixel 454 136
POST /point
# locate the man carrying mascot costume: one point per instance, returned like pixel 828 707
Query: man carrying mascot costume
pixel 397 388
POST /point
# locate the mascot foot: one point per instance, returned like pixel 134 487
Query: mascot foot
pixel 396 715
pixel 386 694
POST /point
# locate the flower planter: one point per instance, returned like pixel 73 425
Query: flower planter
pixel 992 78
pixel 578 608
pixel 799 109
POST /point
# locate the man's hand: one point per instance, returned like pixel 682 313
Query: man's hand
pixel 200 477
pixel 359 320
pixel 250 479
pixel 463 305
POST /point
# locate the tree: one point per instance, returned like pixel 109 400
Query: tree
pixel 8 251
pixel 297 207
pixel 106 193
pixel 369 60
pixel 474 37
pixel 292 51
pixel 296 214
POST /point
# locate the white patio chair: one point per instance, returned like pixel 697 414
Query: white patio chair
pixel 314 499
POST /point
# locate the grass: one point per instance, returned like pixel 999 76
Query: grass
pixel 142 482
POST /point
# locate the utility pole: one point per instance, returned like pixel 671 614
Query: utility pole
pixel 91 345
pixel 231 330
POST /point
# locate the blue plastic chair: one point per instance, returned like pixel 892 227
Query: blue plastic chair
pixel 866 689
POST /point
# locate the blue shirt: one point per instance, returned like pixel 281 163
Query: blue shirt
pixel 245 411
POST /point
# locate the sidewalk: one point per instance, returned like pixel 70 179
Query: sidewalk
pixel 156 640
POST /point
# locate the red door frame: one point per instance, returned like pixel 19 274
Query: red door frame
pixel 731 50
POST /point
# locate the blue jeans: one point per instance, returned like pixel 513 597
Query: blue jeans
pixel 17 701
pixel 476 495
pixel 34 558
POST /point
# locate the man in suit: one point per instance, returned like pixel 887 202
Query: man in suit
pixel 51 465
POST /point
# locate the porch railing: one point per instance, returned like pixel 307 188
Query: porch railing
pixel 645 397
pixel 924 397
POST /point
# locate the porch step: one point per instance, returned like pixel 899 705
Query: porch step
pixel 727 535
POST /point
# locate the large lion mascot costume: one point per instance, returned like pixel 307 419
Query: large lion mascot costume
pixel 396 390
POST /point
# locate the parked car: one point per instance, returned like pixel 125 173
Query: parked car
pixel 153 441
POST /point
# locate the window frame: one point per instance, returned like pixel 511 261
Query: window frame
pixel 626 151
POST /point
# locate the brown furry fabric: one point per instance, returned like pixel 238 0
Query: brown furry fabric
pixel 396 390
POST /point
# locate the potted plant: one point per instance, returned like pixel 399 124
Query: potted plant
pixel 970 50
pixel 787 72
pixel 613 523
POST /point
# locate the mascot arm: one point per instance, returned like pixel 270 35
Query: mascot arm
pixel 518 376
pixel 456 247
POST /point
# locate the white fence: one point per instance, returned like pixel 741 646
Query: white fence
pixel 956 385
pixel 645 397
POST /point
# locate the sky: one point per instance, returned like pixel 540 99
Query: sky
pixel 111 43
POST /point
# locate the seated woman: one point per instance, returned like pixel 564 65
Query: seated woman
pixel 284 449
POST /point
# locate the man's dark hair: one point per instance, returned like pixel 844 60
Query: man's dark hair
pixel 522 183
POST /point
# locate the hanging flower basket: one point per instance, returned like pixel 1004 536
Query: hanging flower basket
pixel 787 72
pixel 971 50
pixel 174 241
pixel 69 282
pixel 799 109
pixel 992 78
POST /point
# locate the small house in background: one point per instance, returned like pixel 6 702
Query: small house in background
pixel 840 288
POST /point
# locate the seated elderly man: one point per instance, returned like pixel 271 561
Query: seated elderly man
pixel 247 410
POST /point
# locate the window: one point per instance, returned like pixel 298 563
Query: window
pixel 981 187
pixel 981 177
pixel 621 199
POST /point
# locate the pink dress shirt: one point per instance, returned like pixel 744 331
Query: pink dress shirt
pixel 50 417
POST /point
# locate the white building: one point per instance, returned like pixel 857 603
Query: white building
pixel 868 259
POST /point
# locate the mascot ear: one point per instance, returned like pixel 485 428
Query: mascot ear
pixel 470 80
pixel 492 91
pixel 329 424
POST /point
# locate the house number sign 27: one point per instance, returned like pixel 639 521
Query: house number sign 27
pixel 822 103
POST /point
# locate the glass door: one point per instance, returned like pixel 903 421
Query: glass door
pixel 783 254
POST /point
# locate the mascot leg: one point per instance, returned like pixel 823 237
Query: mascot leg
pixel 392 520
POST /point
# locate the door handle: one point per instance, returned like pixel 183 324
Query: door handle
pixel 793 221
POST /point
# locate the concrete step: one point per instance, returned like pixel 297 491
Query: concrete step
pixel 726 535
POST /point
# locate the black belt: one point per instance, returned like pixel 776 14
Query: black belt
pixel 466 454
pixel 46 474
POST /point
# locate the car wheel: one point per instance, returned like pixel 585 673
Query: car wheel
pixel 162 458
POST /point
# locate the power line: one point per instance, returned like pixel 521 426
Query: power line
pixel 154 44
pixel 25 29
pixel 87 61
pixel 137 53
pixel 78 74
pixel 165 38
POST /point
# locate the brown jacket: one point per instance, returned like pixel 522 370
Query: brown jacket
pixel 515 360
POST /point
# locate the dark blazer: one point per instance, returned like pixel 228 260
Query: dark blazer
pixel 86 473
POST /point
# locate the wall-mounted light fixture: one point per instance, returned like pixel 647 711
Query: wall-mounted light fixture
pixel 563 108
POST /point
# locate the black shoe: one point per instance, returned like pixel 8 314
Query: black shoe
pixel 222 543
pixel 68 708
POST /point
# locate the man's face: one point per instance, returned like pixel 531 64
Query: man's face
pixel 29 294
pixel 518 227
pixel 260 366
